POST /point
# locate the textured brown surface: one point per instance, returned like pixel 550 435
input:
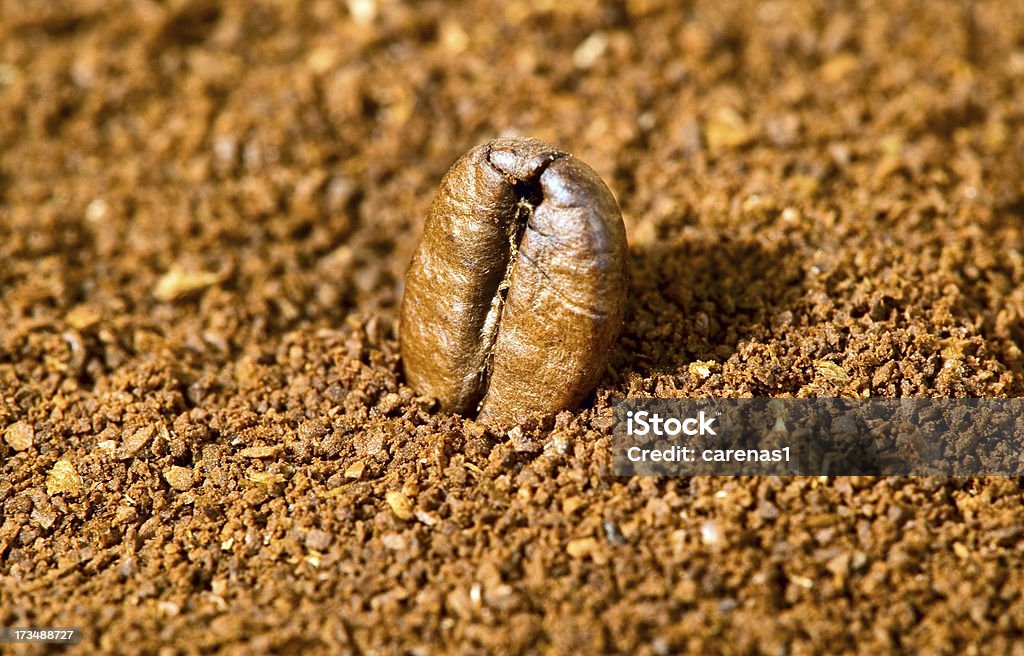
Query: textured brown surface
pixel 516 293
pixel 207 208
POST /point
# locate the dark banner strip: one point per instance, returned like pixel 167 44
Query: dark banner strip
pixel 819 437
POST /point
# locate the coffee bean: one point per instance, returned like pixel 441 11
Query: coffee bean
pixel 516 292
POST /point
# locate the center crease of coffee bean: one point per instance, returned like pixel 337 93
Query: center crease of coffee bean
pixel 529 196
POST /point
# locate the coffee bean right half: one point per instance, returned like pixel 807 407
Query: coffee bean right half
pixel 516 292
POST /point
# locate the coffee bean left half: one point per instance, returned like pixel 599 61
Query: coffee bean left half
pixel 516 294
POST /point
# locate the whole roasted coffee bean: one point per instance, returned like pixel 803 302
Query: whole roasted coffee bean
pixel 516 293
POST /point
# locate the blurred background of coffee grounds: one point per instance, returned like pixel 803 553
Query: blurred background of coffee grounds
pixel 207 208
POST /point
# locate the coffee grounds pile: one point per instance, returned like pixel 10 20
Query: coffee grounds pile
pixel 206 211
